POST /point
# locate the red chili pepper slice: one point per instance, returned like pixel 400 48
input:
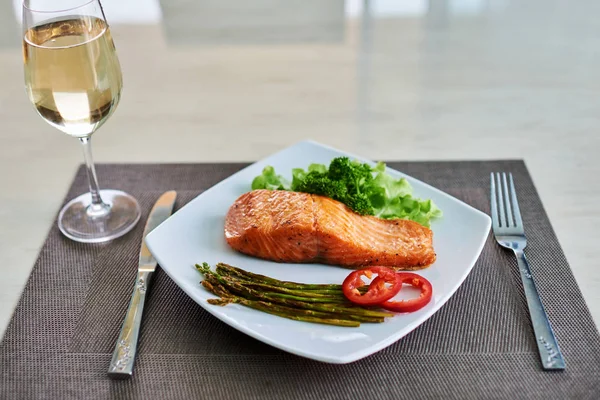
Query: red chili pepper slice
pixel 378 290
pixel 412 304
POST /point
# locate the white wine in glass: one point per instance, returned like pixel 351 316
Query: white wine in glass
pixel 74 80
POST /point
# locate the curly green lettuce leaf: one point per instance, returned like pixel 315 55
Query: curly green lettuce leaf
pixel 393 187
pixel 270 180
pixel 392 198
pixel 320 168
pixel 408 207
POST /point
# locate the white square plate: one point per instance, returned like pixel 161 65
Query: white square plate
pixel 194 234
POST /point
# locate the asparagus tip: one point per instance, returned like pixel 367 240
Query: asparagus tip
pixel 219 302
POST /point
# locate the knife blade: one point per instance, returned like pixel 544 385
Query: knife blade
pixel 121 365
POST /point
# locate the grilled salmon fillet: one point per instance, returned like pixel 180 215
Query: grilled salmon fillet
pixel 302 228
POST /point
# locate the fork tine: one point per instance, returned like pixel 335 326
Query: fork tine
pixel 515 203
pixel 500 201
pixel 509 214
pixel 493 201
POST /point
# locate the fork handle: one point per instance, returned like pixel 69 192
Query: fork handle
pixel 550 354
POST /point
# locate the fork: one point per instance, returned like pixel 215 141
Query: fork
pixel 509 233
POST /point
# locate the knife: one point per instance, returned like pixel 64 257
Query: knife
pixel 121 366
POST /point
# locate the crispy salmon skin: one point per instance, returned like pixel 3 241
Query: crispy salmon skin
pixel 298 227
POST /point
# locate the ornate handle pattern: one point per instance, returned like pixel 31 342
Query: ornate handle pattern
pixel 121 365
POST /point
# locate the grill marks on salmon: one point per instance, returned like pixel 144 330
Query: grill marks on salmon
pixel 302 228
pixel 348 239
pixel 275 225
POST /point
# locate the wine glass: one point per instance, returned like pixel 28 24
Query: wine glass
pixel 73 78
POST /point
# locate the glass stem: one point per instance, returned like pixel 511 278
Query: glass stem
pixel 98 208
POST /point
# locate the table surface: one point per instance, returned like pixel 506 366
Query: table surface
pixel 228 80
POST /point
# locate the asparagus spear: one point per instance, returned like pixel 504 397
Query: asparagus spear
pixel 289 312
pixel 248 292
pixel 269 308
pixel 325 293
pixel 218 290
pixel 272 281
pixel 256 279
pixel 299 303
pixel 220 301
pixel 275 292
pixel 271 291
pixel 328 293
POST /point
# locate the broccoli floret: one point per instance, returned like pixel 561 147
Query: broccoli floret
pixel 360 203
pixel 319 183
pixel 353 174
pixel 356 178
pixel 345 181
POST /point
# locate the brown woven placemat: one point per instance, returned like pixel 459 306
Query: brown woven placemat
pixel 479 345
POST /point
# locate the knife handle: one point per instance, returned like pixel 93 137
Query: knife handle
pixel 121 366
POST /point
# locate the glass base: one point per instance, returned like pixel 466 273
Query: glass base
pixel 79 220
